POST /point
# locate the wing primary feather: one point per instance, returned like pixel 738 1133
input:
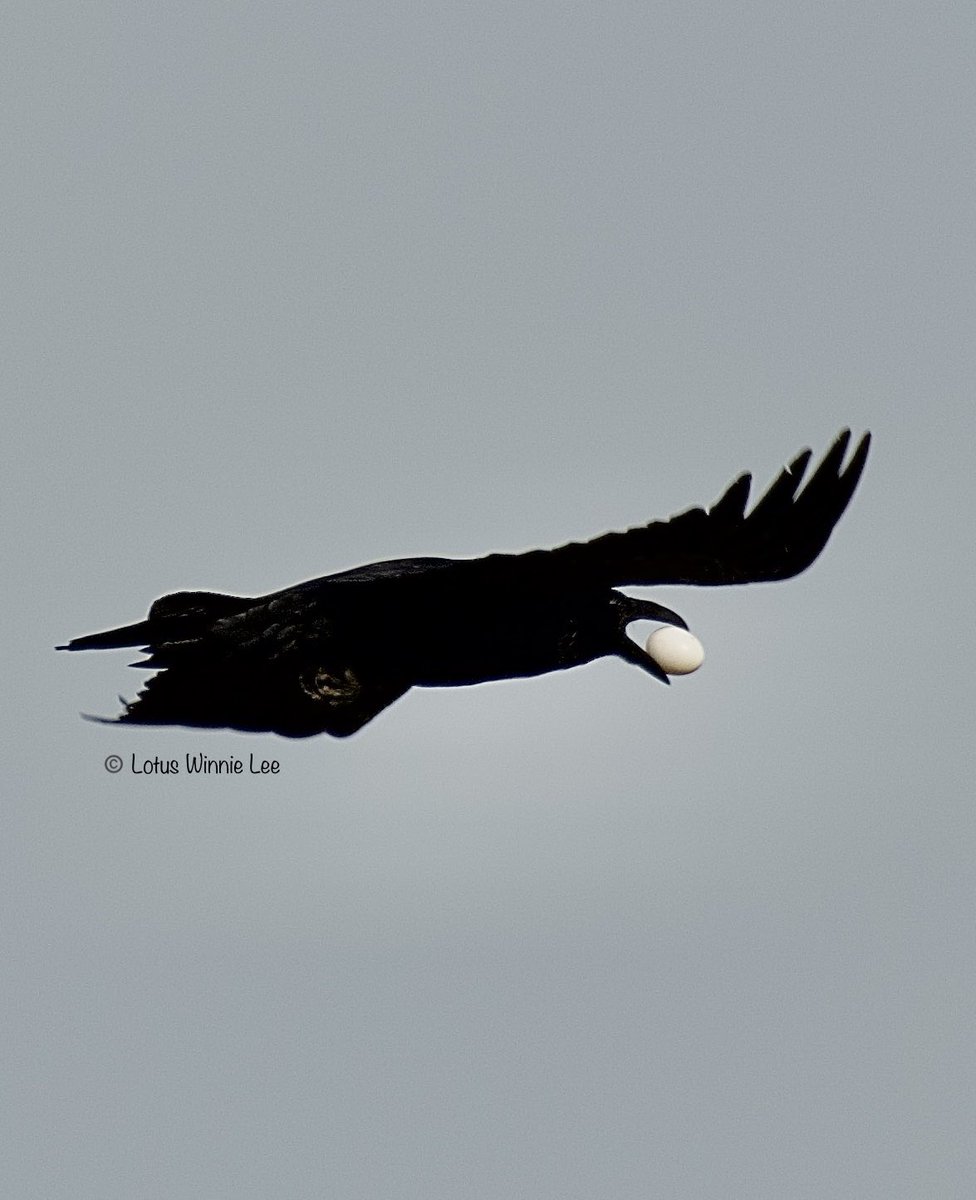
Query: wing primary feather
pixel 829 469
pixel 732 505
pixel 782 535
pixel 801 462
pixel 780 494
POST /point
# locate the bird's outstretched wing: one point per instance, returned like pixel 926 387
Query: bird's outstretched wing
pixel 779 538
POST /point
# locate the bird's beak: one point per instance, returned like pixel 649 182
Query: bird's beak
pixel 647 610
pixel 651 667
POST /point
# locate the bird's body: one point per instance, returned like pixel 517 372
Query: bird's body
pixel 327 655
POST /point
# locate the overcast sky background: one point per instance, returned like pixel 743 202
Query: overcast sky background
pixel 293 287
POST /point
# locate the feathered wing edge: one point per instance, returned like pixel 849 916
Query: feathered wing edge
pixel 261 699
pixel 782 535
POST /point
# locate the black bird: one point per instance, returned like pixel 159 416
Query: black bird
pixel 329 654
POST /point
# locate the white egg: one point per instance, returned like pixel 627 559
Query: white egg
pixel 675 650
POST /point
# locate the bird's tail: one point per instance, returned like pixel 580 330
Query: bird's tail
pixel 179 617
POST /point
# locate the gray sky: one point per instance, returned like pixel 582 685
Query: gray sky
pixel 292 287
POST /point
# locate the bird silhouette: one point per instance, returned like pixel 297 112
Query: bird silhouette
pixel 329 654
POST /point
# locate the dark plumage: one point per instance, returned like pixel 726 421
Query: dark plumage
pixel 329 654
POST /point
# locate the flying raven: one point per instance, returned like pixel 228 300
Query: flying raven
pixel 329 654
